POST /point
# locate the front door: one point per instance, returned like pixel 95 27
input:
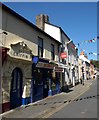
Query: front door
pixel 16 88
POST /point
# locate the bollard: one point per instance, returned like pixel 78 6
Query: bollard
pixel 24 96
pixel 50 92
pixel 73 81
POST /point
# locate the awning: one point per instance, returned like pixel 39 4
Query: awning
pixel 44 65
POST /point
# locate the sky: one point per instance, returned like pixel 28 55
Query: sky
pixel 77 19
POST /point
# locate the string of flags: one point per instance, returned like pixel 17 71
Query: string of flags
pixel 87 41
pixel 91 53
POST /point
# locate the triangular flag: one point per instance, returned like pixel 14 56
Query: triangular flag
pixel 98 37
pixel 93 40
pixel 90 40
pixel 78 44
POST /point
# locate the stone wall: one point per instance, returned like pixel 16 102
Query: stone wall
pixel 8 68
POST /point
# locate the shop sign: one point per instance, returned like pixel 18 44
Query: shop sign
pixel 35 59
pixel 21 55
pixel 44 65
pixel 63 55
pixel 20 50
pixel 58 69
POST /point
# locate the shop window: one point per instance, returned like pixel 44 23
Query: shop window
pixel 63 61
pixel 53 86
pixel 38 77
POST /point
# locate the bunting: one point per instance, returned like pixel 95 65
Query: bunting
pixel 87 41
pixel 92 53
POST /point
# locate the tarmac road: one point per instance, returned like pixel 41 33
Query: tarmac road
pixel 62 105
pixel 83 107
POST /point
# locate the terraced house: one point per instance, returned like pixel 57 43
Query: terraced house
pixel 37 60
pixel 29 61
pixel 68 58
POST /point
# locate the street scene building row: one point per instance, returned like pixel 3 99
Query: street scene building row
pixel 37 60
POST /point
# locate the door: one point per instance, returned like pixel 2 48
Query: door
pixel 45 83
pixel 38 85
pixel 46 88
pixel 16 88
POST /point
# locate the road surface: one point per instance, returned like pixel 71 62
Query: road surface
pixel 83 107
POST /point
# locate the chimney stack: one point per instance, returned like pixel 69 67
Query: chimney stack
pixel 40 20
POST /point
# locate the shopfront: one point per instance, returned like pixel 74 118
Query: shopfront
pixel 46 79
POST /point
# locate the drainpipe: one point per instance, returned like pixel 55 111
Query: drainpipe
pixel 32 84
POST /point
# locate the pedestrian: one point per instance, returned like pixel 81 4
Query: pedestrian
pixel 82 80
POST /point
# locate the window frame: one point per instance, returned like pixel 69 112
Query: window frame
pixel 40 47
pixel 52 52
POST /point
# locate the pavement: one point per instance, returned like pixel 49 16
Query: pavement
pixel 48 106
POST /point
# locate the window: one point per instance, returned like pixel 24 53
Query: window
pixel 40 47
pixel 52 52
pixel 58 48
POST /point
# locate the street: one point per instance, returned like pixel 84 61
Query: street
pixel 84 107
pixel 48 61
pixel 79 102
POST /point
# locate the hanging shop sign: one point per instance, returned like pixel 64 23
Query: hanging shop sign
pixel 58 69
pixel 63 55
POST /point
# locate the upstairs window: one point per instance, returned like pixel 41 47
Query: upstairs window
pixel 52 52
pixel 40 47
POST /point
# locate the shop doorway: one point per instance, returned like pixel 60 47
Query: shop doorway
pixel 38 85
pixel 46 83
pixel 16 88
pixel 46 88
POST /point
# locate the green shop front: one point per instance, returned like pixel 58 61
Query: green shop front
pixel 46 78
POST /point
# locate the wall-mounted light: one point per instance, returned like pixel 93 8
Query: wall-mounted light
pixel 69 42
pixel 3 39
pixel 4 33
